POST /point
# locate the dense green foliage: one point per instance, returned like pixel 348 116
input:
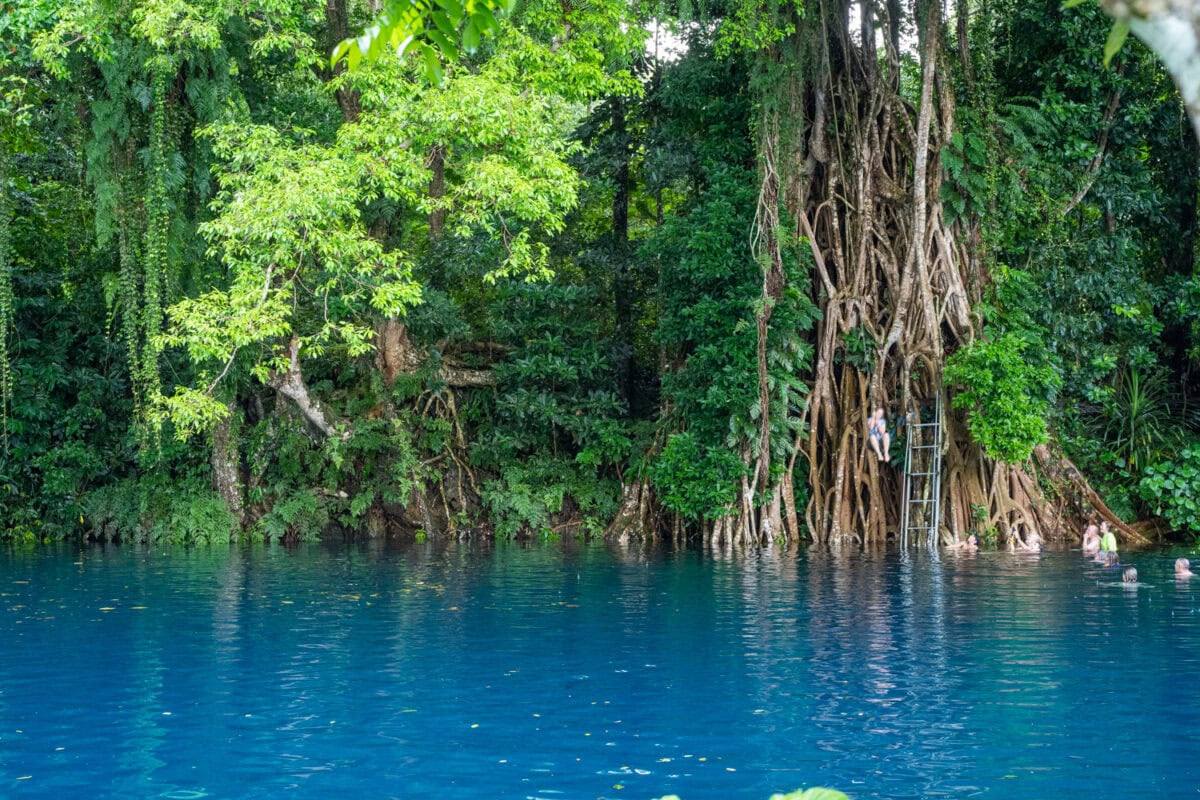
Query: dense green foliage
pixel 1007 381
pixel 1172 487
pixel 247 288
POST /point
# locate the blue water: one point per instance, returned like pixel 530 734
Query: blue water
pixel 566 671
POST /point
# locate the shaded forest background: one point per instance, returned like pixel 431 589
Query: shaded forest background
pixel 245 293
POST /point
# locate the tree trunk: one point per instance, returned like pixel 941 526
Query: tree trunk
pixel 889 270
pixel 227 465
pixel 337 22
pixel 290 384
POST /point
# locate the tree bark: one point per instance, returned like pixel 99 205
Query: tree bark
pixel 337 21
pixel 290 384
pixel 226 464
pixel 398 355
pixel 437 189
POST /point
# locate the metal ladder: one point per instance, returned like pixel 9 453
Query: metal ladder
pixel 921 511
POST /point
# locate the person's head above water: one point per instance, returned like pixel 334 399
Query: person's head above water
pixel 1183 568
pixel 1129 575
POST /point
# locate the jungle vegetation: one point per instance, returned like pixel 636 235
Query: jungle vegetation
pixel 591 266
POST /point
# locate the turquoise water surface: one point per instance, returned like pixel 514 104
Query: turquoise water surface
pixel 571 671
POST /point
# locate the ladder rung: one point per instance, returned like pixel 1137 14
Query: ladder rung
pixel 919 474
pixel 923 447
pixel 914 502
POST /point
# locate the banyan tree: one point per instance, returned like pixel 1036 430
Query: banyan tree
pixel 858 132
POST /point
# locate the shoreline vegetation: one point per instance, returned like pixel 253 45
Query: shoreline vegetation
pixel 598 269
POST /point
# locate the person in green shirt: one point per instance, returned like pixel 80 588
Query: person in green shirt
pixel 1108 545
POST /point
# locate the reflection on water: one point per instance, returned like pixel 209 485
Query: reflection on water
pixel 581 671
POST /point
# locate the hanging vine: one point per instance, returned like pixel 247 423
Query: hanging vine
pixel 154 257
pixel 6 296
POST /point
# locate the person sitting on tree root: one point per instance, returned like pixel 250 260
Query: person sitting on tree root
pixel 1183 568
pixel 877 432
pixel 1091 540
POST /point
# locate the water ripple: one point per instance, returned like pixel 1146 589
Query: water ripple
pixel 425 670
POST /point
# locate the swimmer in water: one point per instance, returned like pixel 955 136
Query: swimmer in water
pixel 1183 568
pixel 1091 540
pixel 1031 544
pixel 1129 575
pixel 970 545
pixel 1108 546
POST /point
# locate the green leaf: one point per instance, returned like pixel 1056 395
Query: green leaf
pixel 339 52
pixel 470 38
pixel 1073 3
pixel 433 65
pixel 453 10
pixel 444 24
pixel 487 18
pixel 449 50
pixel 1116 38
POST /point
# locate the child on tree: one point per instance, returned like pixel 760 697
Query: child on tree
pixel 877 433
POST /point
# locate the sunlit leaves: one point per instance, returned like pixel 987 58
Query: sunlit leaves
pixel 426 30
pixel 1006 386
